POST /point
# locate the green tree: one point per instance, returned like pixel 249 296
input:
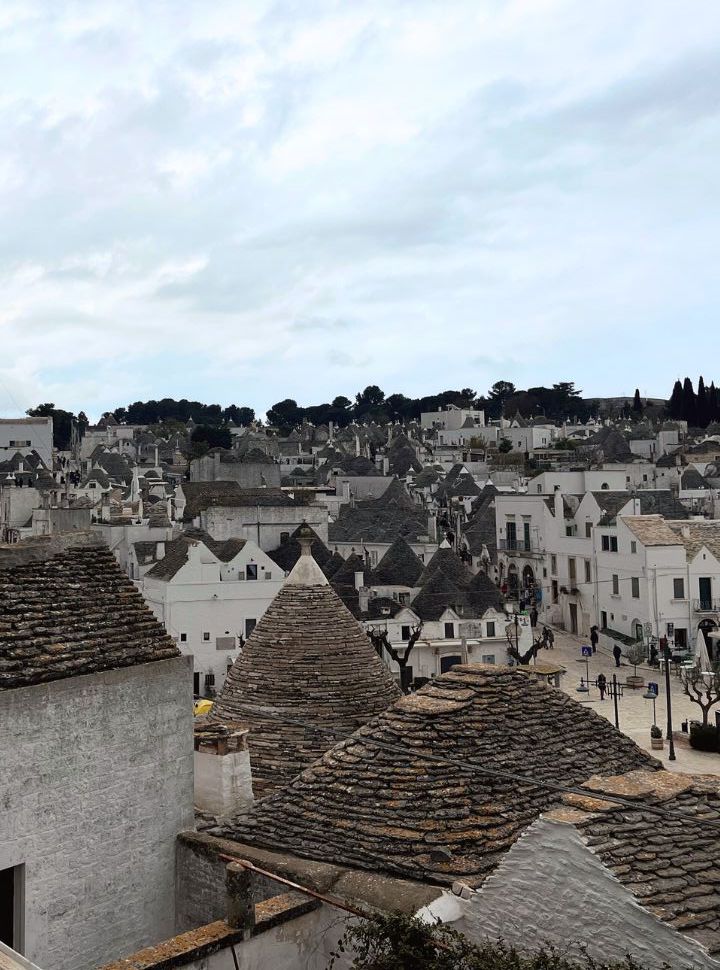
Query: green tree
pixel 62 423
pixel 399 942
pixel 505 446
pixel 207 436
pixel 637 403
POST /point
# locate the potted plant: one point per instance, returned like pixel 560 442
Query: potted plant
pixel 637 654
pixel 656 738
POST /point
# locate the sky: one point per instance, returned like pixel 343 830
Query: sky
pixel 239 202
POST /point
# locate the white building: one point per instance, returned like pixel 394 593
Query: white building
pixel 662 573
pixel 452 418
pixel 209 595
pixel 24 435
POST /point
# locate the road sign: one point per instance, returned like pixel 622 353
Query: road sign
pixel 586 651
pixel 653 687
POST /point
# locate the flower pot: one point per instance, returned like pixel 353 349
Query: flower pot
pixel 656 744
pixel 635 680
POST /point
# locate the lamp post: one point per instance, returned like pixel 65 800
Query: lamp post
pixel 671 754
pixel 650 695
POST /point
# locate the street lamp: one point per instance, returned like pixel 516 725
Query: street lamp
pixel 671 753
pixel 651 695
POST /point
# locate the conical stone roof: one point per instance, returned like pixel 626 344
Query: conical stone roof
pixel 379 801
pixel 307 661
pixel 450 563
pixel 398 567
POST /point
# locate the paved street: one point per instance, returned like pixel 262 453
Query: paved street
pixel 635 712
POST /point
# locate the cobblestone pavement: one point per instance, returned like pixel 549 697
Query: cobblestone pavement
pixel 635 713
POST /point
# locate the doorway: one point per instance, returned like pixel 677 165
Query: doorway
pixel 573 617
pixel 705 590
pixel 10 907
pixel 447 662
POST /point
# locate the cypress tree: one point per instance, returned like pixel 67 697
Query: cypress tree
pixel 688 402
pixel 637 403
pixel 702 416
pixel 675 402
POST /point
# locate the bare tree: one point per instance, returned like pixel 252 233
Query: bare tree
pixel 381 641
pixel 703 688
pixel 521 658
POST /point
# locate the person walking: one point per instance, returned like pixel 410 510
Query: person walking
pixel 533 617
pixel 551 639
pixel 602 685
pixel 594 638
pixel 617 653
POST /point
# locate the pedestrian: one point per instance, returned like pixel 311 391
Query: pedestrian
pixel 617 653
pixel 544 638
pixel 533 617
pixel 594 638
pixel 602 685
pixel 551 639
pixel 503 589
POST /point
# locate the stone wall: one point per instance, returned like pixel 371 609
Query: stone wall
pixel 97 782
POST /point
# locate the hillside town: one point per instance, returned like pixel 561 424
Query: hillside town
pixel 463 664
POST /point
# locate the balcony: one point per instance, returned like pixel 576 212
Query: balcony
pixel 706 605
pixel 520 547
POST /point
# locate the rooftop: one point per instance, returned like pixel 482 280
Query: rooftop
pixel 68 609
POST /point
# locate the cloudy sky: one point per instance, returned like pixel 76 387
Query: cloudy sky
pixel 243 201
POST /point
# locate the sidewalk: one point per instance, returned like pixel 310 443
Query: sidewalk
pixel 635 713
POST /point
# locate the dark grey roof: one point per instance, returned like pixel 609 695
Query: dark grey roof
pixel 447 560
pixel 288 553
pixel 692 479
pixel 380 520
pixel 73 613
pixel 375 802
pixel 398 567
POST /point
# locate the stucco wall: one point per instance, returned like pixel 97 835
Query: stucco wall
pixel 551 887
pixel 97 781
pixel 305 943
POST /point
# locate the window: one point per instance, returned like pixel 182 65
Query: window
pixel 613 544
pixel 588 571
pixel 490 631
pixel 554 590
pixel 284 537
pixel 603 620
pixel 572 572
pixel 206 637
pixel 553 565
pixel 488 658
pixel 588 530
pixel 251 570
pixel 449 631
pixel 249 627
pixel 403 598
pixel 404 632
pixel 196 682
pixel 615 585
pixel 183 638
pixel 633 547
pixel 679 589
pixel 680 639
pixel 605 543
pixel 635 587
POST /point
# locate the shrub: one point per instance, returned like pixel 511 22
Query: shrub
pixel 655 731
pixel 398 942
pixel 704 737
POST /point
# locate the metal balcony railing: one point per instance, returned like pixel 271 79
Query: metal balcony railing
pixel 706 605
pixel 521 547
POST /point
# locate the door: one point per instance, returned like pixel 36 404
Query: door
pixel 705 584
pixel 447 662
pixel 573 617
pixel 511 535
pixel 526 536
pixel 10 925
pixel 603 620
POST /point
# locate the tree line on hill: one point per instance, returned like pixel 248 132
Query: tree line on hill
pixel 699 408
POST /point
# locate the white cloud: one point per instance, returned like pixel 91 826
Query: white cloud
pixel 209 191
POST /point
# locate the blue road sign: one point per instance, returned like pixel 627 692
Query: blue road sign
pixel 586 651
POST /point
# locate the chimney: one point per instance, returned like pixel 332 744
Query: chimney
pixel 223 779
pixel 432 527
pixel 359 579
pixel 331 430
pixel 363 597
pixel 685 530
pixel 559 507
pixel 159 551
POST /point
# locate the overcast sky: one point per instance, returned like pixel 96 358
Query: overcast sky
pixel 240 202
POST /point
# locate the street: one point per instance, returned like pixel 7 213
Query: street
pixel 635 713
